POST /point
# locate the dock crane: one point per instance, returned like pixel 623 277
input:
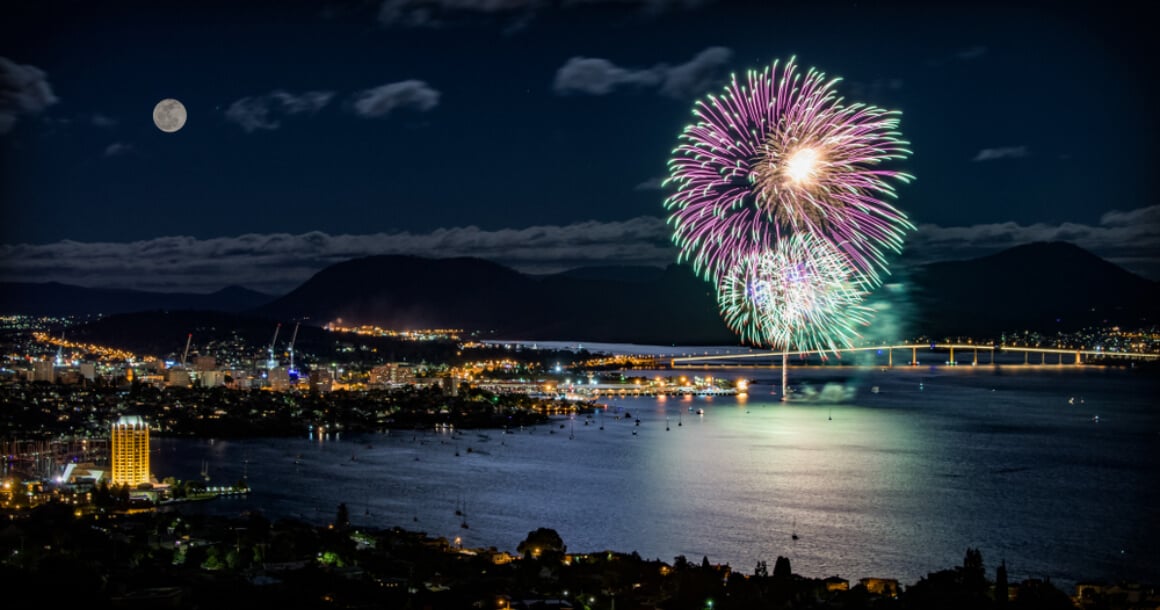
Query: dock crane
pixel 185 354
pixel 272 362
pixel 293 338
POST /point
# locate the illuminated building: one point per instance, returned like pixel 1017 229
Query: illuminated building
pixel 177 378
pixel 279 379
pixel 43 370
pixel 130 440
pixel 321 380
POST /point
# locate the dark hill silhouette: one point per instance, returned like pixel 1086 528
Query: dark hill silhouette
pixel 626 273
pixel 1041 286
pixel 1044 286
pixel 56 299
pixel 412 292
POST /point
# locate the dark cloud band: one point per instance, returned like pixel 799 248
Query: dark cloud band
pixel 278 262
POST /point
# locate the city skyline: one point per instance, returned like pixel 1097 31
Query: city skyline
pixel 531 134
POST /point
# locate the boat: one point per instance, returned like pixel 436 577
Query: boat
pixel 700 411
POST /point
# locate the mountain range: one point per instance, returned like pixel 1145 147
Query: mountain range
pixel 1046 287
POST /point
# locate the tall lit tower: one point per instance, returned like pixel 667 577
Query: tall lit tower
pixel 130 437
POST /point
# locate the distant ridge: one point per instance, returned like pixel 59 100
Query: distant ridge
pixel 1043 287
pixel 626 273
pixel 412 292
pixel 56 299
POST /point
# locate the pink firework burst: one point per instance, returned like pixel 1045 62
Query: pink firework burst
pixel 779 154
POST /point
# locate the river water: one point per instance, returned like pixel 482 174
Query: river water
pixel 889 483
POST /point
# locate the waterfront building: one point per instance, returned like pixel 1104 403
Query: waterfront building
pixel 212 379
pixel 178 378
pixel 279 378
pixel 321 380
pixel 204 363
pixel 392 374
pixel 130 451
pixel 43 370
pixel 450 386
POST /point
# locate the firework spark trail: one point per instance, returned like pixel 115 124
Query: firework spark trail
pixel 780 154
pixel 800 296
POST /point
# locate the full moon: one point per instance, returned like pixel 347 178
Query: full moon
pixel 169 115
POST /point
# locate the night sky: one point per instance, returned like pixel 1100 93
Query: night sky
pixel 531 133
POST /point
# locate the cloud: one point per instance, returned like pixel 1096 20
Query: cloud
pixel 380 101
pixel 697 75
pixel 596 76
pixel 1009 152
pixel 100 120
pixel 974 52
pixel 24 90
pixel 278 262
pixel 962 55
pixel 438 13
pixel 118 148
pixel 264 111
pixel 652 184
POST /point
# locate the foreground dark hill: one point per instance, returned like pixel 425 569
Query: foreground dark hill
pixel 601 304
pixel 56 299
pixel 1046 287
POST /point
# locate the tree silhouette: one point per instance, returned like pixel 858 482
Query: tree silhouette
pixel 781 568
pixel 762 570
pixel 973 563
pixel 1001 584
pixel 541 542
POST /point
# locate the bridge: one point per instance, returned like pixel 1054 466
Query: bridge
pixel 1076 356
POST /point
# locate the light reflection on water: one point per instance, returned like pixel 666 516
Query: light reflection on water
pixel 892 484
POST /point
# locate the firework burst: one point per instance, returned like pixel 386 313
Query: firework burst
pixel 800 295
pixel 780 154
